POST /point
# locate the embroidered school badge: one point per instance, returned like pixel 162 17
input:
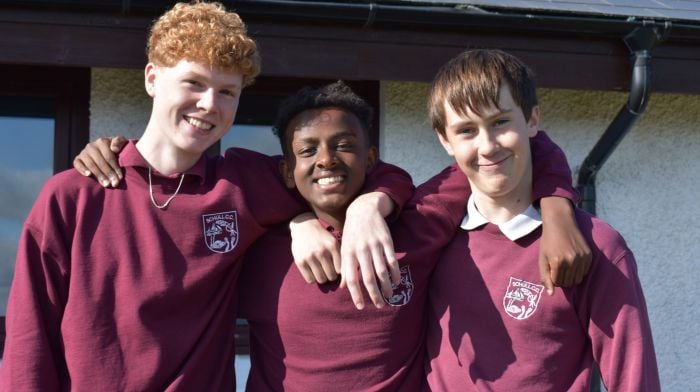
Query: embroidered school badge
pixel 403 290
pixel 521 298
pixel 221 231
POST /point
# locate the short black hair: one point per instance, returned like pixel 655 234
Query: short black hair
pixel 334 95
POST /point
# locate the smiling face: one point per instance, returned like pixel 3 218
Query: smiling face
pixel 194 105
pixel 493 148
pixel 327 161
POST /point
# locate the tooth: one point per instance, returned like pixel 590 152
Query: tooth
pixel 198 123
pixel 329 180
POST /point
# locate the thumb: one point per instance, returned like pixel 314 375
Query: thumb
pixel 545 276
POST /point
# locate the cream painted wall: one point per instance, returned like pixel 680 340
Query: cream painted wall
pixel 648 190
pixel 119 104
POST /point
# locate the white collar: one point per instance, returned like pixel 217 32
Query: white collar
pixel 517 227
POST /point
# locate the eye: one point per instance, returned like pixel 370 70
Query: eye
pixel 192 84
pixel 468 131
pixel 306 151
pixel 501 122
pixel 229 93
pixel 345 145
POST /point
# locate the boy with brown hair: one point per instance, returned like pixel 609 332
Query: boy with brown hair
pixel 490 326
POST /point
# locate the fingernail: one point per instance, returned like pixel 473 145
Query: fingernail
pixel 359 306
pixel 104 183
pixel 87 173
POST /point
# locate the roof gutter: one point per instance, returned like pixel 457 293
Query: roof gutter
pixel 454 18
pixel 640 42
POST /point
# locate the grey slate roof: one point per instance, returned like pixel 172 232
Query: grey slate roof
pixel 685 10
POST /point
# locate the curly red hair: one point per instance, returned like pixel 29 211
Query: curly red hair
pixel 207 33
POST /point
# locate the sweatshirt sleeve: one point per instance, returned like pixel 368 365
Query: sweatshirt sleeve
pixel 618 325
pixel 551 175
pixel 391 180
pixel 33 359
pixel 430 218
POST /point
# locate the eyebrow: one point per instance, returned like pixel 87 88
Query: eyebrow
pixel 197 75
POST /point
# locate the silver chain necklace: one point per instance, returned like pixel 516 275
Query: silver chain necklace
pixel 150 190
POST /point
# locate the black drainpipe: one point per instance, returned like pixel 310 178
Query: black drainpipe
pixel 640 42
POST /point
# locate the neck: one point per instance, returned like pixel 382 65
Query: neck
pixel 164 157
pixel 502 208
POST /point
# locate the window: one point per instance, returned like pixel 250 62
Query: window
pixel 43 124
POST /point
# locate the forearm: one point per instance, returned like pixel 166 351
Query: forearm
pixel 369 203
pixel 392 181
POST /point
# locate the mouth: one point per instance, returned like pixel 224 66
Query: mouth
pixel 332 180
pixel 492 165
pixel 200 124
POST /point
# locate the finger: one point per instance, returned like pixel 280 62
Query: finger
pixel 80 167
pixel 335 254
pixel 305 272
pixel 351 279
pixel 579 272
pixel 382 274
pixel 558 274
pixel 106 159
pixel 392 263
pixel 588 257
pixel 369 280
pixel 86 157
pixel 583 267
pixel 317 270
pixel 328 268
pixel 569 276
pixel 118 143
pixel 545 276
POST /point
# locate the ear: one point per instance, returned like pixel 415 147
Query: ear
pixel 150 79
pixel 287 173
pixel 533 123
pixel 445 143
pixel 372 156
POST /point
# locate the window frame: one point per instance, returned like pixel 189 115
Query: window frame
pixel 69 87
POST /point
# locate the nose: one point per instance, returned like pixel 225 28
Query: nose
pixel 326 158
pixel 207 101
pixel 488 143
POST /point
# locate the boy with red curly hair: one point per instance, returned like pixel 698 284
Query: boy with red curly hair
pixel 133 288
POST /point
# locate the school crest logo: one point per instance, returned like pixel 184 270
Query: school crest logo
pixel 403 290
pixel 521 298
pixel 221 231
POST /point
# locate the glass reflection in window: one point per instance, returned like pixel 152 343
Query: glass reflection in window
pixel 26 162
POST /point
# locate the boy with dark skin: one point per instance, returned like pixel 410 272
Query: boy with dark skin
pixel 324 136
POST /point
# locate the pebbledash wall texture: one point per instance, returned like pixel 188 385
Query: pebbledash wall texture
pixel 648 190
